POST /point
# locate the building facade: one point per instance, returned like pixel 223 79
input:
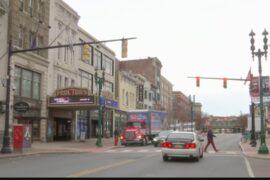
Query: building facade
pixel 72 77
pixel 28 27
pixel 181 108
pixel 166 99
pixel 150 68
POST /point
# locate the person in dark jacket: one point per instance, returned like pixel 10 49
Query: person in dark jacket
pixel 210 140
pixel 116 134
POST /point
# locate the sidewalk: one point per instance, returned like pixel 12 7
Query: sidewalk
pixel 88 146
pixel 253 151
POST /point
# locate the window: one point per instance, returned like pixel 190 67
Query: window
pixel 59 81
pixel 31 7
pixel 66 82
pixel 21 35
pixel 126 98
pixel 21 6
pixel 108 86
pixel 123 96
pixel 66 55
pixel 72 83
pixel 86 80
pixel 145 94
pixel 18 81
pixel 150 97
pixel 32 40
pixel 107 65
pixel 36 86
pixel 97 59
pixel 28 83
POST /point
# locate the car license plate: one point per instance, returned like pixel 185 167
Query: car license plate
pixel 178 146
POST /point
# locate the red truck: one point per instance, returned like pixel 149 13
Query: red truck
pixel 142 126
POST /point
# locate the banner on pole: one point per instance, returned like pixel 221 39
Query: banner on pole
pixel 255 89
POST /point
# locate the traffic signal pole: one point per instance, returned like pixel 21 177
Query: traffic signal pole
pixel 6 138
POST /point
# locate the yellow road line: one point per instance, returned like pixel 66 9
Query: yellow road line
pixel 90 171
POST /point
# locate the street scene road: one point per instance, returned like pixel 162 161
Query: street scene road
pixel 138 161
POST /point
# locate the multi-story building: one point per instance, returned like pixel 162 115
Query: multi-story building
pixel 150 68
pixel 72 77
pixel 181 108
pixel 166 98
pixel 27 27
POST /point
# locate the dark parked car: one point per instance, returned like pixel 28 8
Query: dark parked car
pixel 161 137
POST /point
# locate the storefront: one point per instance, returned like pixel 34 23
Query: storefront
pixel 69 114
pixel 27 112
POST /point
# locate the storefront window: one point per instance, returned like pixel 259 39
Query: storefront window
pixel 26 83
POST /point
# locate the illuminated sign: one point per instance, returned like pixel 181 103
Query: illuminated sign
pixel 71 100
pixel 71 92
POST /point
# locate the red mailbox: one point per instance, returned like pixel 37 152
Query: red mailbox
pixel 18 137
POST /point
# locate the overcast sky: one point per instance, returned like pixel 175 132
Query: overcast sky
pixel 207 38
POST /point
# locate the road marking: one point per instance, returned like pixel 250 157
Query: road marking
pixel 126 151
pixel 250 172
pixel 113 150
pixel 102 168
pixel 157 151
pixel 143 150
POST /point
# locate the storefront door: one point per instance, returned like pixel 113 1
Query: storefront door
pixel 62 129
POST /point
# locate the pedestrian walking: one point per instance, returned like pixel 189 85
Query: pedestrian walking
pixel 116 134
pixel 210 140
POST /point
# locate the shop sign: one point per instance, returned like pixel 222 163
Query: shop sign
pixel 141 91
pixel 71 92
pixel 111 103
pixel 71 100
pixel 21 107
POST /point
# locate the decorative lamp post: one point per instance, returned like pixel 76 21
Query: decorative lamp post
pixel 99 81
pixel 263 148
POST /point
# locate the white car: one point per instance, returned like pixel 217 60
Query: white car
pixel 182 144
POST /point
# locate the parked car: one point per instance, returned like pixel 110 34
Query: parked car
pixel 182 144
pixel 160 138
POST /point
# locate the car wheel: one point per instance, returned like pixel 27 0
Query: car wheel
pixel 165 158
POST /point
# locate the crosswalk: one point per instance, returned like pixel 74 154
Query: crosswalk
pixel 135 150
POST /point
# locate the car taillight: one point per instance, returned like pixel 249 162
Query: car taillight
pixel 190 146
pixel 139 137
pixel 121 137
pixel 166 145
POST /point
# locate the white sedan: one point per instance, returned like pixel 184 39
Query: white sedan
pixel 182 144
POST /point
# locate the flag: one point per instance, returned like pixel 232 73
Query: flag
pixel 249 76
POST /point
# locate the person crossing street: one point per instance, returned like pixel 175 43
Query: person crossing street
pixel 210 140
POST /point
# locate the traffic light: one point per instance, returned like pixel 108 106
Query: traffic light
pixel 225 83
pixel 124 48
pixel 198 81
pixel 86 52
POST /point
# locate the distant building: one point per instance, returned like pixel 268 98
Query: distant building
pixel 150 68
pixel 181 107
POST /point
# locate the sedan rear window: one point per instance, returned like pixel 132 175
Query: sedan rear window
pixel 182 136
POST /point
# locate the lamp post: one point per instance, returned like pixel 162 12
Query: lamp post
pixel 6 140
pixel 263 148
pixel 253 142
pixel 99 81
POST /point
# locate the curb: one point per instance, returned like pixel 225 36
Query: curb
pixel 253 156
pixel 56 152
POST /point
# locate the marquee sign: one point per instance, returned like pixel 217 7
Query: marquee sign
pixel 72 100
pixel 71 92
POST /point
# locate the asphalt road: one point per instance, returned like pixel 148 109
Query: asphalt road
pixel 139 161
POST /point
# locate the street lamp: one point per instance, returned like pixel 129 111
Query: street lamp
pixel 263 148
pixel 99 81
pixel 6 140
pixel 253 142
